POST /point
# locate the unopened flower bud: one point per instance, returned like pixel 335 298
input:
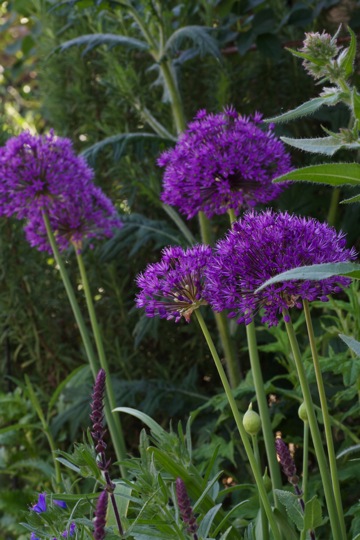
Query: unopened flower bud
pixel 302 412
pixel 267 481
pixel 251 421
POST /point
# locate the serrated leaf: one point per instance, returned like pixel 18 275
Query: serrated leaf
pixel 305 109
pixel 351 200
pixel 348 61
pixel 321 145
pixel 198 35
pixel 333 174
pixel 352 343
pixel 90 41
pixel 293 508
pixel 313 514
pixel 316 272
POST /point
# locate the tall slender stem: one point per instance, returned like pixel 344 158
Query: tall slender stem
pixel 263 408
pixel 326 418
pixel 175 101
pixel 334 203
pixel 264 521
pixel 238 420
pixel 304 484
pixel 114 424
pixel 315 432
pixel 93 361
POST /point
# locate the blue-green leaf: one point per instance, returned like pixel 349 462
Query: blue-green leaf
pixel 351 200
pixel 207 521
pixel 203 42
pixel 90 41
pixel 351 343
pixel 307 108
pixel 333 174
pixel 293 508
pixel 315 272
pixel 321 145
pixel 149 422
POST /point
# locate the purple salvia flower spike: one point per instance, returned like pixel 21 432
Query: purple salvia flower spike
pixel 186 511
pixel 286 461
pixel 223 161
pixel 100 516
pixel 97 414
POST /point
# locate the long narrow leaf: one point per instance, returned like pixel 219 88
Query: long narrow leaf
pixel 203 42
pixel 322 145
pixel 315 272
pixel 90 41
pixel 149 422
pixel 305 109
pixel 333 174
pixel 352 343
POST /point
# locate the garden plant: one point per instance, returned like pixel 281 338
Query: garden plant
pixel 263 298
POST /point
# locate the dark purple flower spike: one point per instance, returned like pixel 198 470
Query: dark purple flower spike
pixel 186 512
pixel 100 516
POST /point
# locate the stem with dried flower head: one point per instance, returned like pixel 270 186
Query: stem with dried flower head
pixel 315 432
pixel 243 435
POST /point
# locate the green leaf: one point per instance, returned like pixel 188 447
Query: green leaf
pixel 316 272
pixel 68 464
pixel 321 145
pixel 348 62
pixel 285 527
pixel 351 343
pixel 122 493
pixel 313 514
pixel 305 109
pixel 198 35
pixel 149 422
pixel 293 508
pixel 90 41
pixel 350 450
pixel 207 521
pixel 333 174
pixel 351 200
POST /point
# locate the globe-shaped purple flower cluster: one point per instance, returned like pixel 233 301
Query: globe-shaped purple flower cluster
pixel 262 245
pixel 42 174
pixel 173 287
pixel 223 161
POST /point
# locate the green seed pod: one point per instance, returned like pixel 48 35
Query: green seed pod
pixel 302 412
pixel 251 421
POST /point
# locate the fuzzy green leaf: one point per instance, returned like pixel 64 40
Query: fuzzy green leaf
pixel 207 521
pixel 285 527
pixel 321 145
pixel 313 514
pixel 293 508
pixel 305 109
pixel 333 174
pixel 316 272
pixel 90 41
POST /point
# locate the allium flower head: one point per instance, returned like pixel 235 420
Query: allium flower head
pixel 223 161
pixel 37 170
pixel 262 245
pixel 91 215
pixel 173 287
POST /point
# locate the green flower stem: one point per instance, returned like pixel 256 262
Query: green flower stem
pixel 110 404
pixel 175 101
pixel 263 408
pixel 304 483
pixel 222 323
pixel 333 208
pixel 264 521
pixel 238 420
pixel 46 428
pixel 326 418
pixel 94 365
pixel 232 215
pixel 315 432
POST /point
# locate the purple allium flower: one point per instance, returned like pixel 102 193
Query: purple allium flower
pixel 173 287
pixel 92 215
pixel 37 170
pixel 262 245
pixel 223 161
pixel 100 516
pixel 186 512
